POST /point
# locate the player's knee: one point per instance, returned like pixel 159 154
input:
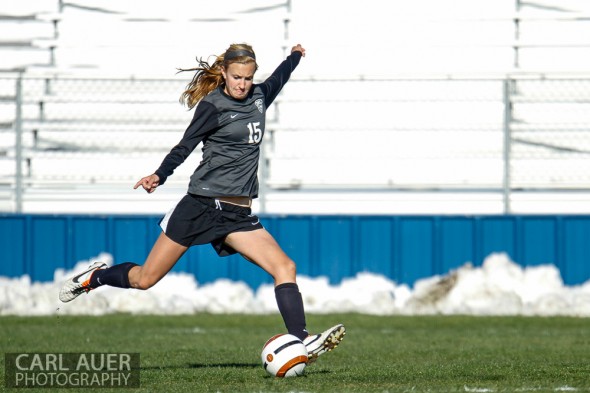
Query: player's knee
pixel 287 270
pixel 144 281
pixel 291 267
pixel 144 284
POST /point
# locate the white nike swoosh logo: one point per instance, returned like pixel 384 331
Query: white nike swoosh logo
pixel 232 116
pixel 255 223
pixel 76 279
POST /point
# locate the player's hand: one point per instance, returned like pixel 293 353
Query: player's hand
pixel 298 48
pixel 149 183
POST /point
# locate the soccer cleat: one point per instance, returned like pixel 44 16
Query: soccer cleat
pixel 79 284
pixel 319 344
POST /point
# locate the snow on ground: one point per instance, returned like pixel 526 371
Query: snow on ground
pixel 498 287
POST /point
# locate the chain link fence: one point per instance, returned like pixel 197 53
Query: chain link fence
pixel 74 139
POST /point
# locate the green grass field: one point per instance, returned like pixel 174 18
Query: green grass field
pixel 221 353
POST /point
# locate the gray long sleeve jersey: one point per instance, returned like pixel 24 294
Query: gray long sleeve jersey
pixel 231 131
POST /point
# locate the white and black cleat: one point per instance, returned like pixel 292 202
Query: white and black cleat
pixel 319 344
pixel 79 284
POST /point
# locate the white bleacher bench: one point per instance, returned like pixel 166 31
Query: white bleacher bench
pixel 124 141
pixel 20 27
pixel 106 126
pixel 114 98
pixel 103 136
pixel 65 167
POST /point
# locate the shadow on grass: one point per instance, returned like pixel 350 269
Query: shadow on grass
pixel 203 365
pixel 249 365
pixel 223 365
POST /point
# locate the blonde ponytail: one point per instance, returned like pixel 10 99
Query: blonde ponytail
pixel 208 77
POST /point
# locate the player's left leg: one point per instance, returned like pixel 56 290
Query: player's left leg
pixel 318 344
pixel 260 247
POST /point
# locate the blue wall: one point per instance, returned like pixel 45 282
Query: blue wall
pixel 403 248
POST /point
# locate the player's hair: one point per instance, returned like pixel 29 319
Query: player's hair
pixel 208 76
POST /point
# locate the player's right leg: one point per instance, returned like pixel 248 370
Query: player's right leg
pixel 164 254
pixel 80 283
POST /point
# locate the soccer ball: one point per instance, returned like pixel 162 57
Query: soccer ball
pixel 284 355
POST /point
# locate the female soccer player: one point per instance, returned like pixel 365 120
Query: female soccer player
pixel 229 119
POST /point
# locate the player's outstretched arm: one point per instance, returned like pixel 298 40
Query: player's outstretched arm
pixel 149 183
pixel 298 48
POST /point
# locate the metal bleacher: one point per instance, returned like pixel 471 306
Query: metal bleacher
pixel 476 101
pixel 99 115
pixel 486 100
pixel 379 137
pixel 21 24
pixel 86 137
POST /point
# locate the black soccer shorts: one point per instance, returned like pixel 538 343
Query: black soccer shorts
pixel 200 220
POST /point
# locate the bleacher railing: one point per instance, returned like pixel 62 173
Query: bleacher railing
pixel 67 138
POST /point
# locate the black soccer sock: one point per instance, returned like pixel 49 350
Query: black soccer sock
pixel 115 276
pixel 290 305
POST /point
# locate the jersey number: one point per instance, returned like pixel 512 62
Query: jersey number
pixel 255 134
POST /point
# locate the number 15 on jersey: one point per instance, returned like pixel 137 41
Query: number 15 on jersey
pixel 255 133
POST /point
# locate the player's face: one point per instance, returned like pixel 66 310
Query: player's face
pixel 238 79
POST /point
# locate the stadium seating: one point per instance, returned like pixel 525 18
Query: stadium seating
pixel 408 99
pixel 22 23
